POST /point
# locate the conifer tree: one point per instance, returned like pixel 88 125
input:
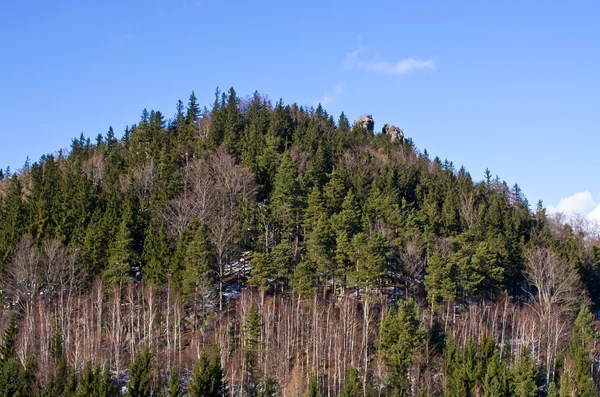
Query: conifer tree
pixel 141 383
pixel 234 123
pixel 313 387
pixel 173 386
pixel 121 255
pixel 523 375
pixel 8 340
pixel 198 263
pixel 400 334
pixel 251 333
pixel 206 379
pixel 495 383
pixel 155 255
pixel 284 196
pixel 576 379
pixel 352 384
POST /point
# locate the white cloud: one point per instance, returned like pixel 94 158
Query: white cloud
pixel 403 66
pixel 594 215
pixel 334 94
pixel 580 203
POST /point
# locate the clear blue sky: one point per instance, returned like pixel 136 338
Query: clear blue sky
pixel 508 86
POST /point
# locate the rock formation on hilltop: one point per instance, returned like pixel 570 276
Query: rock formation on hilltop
pixel 366 122
pixel 394 132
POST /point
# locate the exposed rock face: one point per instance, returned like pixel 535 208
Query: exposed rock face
pixel 366 122
pixel 394 132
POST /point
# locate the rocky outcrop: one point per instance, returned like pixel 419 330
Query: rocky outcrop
pixel 393 132
pixel 366 122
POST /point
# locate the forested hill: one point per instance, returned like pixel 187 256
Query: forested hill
pixel 302 253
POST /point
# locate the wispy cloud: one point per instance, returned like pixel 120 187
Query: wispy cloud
pixel 354 60
pixel 333 95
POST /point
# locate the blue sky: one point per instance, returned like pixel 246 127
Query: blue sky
pixel 505 85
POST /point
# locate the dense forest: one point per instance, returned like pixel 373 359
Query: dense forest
pixel 260 249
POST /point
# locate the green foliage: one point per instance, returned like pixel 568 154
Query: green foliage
pixel 576 379
pixel 121 255
pixel 9 339
pixel 96 382
pixel 352 385
pixel 207 377
pixel 400 334
pixel 313 387
pixel 141 375
pixel 174 384
pixel 155 255
pixel 251 331
pixel 16 380
pixel 495 383
pixel 199 264
pixel 523 375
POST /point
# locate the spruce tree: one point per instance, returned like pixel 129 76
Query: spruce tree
pixel 352 384
pixel 523 375
pixel 400 334
pixel 251 334
pixel 173 386
pixel 8 340
pixel 199 264
pixel 141 383
pixel 577 379
pixel 121 255
pixel 495 382
pixel 200 381
pixel 155 255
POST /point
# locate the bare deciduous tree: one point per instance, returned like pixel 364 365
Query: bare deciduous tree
pixel 557 288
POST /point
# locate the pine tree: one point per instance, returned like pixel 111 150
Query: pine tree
pixel 352 384
pixel 400 334
pixel 141 383
pixel 234 123
pixel 121 255
pixel 495 383
pixel 198 264
pixel 155 255
pixel 199 385
pixel 9 339
pixel 284 197
pixel 577 379
pixel 313 387
pixel 173 386
pixel 439 281
pixel 251 334
pixel 523 375
pixel 267 388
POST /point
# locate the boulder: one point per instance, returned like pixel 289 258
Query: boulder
pixel 366 122
pixel 393 132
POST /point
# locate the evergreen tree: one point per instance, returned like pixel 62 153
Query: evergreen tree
pixel 9 339
pixel 141 373
pixel 199 263
pixel 173 386
pixel 577 379
pixel 121 255
pixel 155 255
pixel 234 123
pixel 206 378
pixel 523 375
pixel 495 383
pixel 352 385
pixel 251 334
pixel 400 334
pixel 313 387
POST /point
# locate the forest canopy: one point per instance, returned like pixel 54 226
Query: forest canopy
pixel 259 248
